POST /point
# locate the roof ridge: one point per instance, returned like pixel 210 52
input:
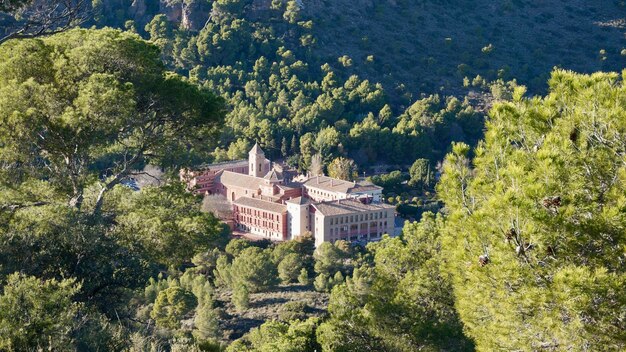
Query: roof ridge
pixel 256 149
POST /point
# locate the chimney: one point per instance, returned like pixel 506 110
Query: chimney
pixel 332 182
pixel 318 179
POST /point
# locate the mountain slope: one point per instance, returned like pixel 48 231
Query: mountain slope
pixel 428 44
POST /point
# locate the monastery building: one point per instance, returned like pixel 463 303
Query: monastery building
pixel 268 203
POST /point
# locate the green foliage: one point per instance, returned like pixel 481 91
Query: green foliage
pixel 338 278
pixel 303 277
pixel 241 296
pixel 206 323
pixel 153 288
pixel 343 169
pixel 294 310
pixel 85 107
pixel 171 305
pixel 206 262
pixel 533 239
pixel 253 268
pixel 198 285
pixel 391 182
pixel 13 5
pixel 289 268
pixel 36 314
pixel 275 96
pixel 292 12
pixel 326 142
pixel 222 272
pixel 422 175
pixel 401 303
pixel 168 224
pixel 331 257
pixel 277 336
pixel 55 241
pixel 322 283
pixel 535 233
pixel 236 246
pixel 95 105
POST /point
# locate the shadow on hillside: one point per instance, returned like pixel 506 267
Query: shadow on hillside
pixel 295 288
pixel 263 302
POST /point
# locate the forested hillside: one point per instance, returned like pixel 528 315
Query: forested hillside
pixel 427 45
pixel 343 78
pixel 512 174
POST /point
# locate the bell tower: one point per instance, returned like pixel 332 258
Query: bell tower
pixel 259 166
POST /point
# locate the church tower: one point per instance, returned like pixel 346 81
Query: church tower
pixel 259 166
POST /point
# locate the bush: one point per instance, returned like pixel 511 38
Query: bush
pixel 241 297
pixel 289 268
pixel 254 268
pixel 322 283
pixel 236 246
pixel 303 278
pixel 35 314
pixel 295 310
pixel 171 305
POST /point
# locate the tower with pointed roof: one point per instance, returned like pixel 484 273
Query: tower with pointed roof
pixel 259 165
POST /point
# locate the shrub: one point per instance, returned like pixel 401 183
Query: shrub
pixel 171 305
pixel 254 268
pixel 295 310
pixel 241 297
pixel 303 278
pixel 290 267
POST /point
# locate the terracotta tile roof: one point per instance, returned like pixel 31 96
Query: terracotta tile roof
pixel 223 165
pixel 349 206
pixel 298 201
pixel 288 187
pixel 364 188
pixel 261 204
pixel 329 184
pixel 273 176
pixel 256 149
pixel 334 185
pixel 229 178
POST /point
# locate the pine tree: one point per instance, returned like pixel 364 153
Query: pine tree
pixel 206 322
pixel 283 147
pixel 303 278
pixel 534 239
pixel 294 144
pixel 322 283
pixel 241 297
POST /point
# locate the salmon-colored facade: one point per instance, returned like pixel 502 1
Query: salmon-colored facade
pixel 266 203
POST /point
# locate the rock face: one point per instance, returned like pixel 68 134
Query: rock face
pixel 190 14
pixel 195 13
pixel 172 9
pixel 138 9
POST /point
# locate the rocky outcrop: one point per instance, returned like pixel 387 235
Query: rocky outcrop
pixel 190 14
pixel 138 10
pixel 195 13
pixel 172 9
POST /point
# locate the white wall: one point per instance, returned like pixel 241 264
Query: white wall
pixel 297 220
